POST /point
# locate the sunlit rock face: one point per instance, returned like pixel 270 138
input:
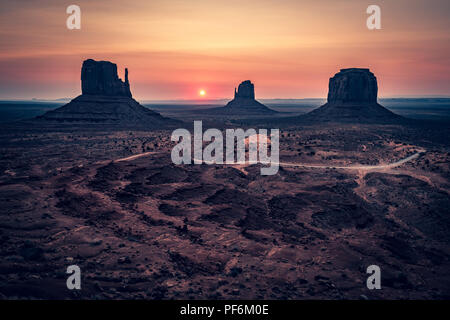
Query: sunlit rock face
pixel 354 85
pixel 100 78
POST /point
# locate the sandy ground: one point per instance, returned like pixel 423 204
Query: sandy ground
pixel 140 227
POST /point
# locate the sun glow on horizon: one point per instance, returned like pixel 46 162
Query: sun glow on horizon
pixel 202 93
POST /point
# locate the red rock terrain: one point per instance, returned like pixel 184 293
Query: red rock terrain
pixel 145 228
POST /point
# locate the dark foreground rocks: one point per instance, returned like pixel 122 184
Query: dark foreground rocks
pixel 149 229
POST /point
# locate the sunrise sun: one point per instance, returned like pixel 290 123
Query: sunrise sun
pixel 202 93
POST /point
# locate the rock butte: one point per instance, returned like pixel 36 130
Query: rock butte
pixel 105 99
pixel 244 103
pixel 100 78
pixel 352 96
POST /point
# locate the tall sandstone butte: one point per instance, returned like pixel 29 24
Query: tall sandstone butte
pixel 100 78
pixel 105 99
pixel 244 103
pixel 352 97
pixel 353 85
pixel 246 90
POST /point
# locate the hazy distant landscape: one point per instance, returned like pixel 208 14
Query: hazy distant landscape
pixel 416 108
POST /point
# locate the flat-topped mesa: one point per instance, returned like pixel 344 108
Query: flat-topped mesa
pixel 246 90
pixel 100 78
pixel 353 85
pixel 352 97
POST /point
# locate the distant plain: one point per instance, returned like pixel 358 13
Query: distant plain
pixel 416 108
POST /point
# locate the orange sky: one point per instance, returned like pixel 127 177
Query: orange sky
pixel 288 48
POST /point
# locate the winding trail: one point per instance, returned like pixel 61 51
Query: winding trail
pixel 303 165
pixel 135 156
pixel 380 166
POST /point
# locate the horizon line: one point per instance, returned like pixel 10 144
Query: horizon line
pixel 221 99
